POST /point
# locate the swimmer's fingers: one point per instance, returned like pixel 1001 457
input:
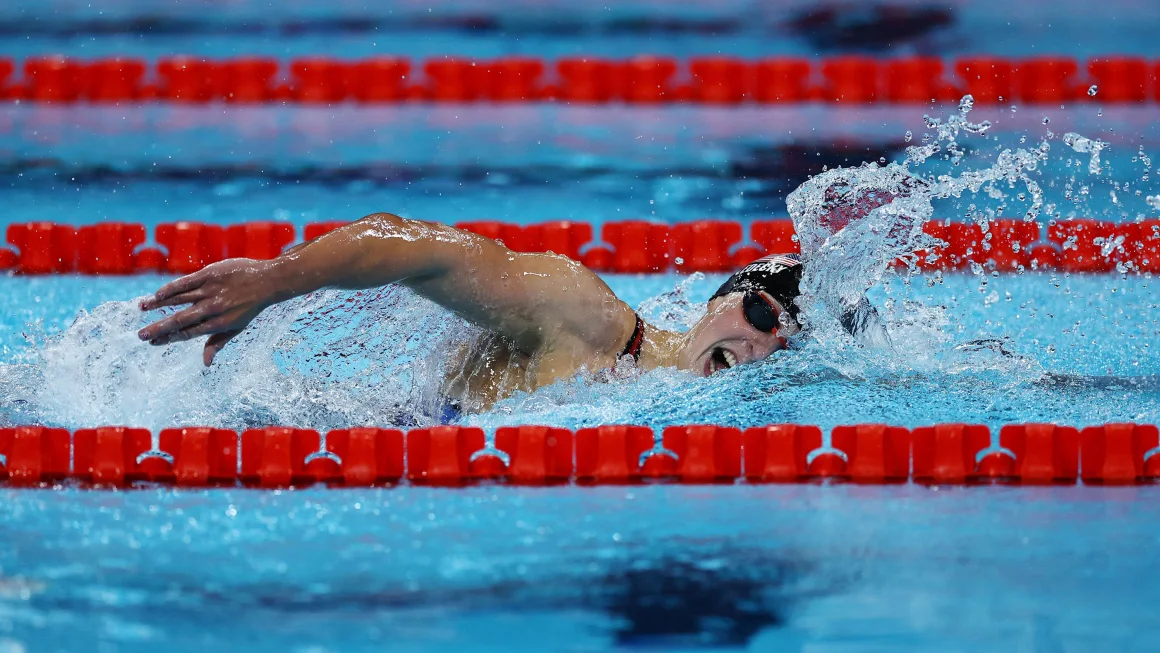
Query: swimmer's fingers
pixel 207 327
pixel 174 300
pixel 175 288
pixel 166 328
pixel 215 343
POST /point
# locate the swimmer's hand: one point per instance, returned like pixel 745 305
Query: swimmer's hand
pixel 223 298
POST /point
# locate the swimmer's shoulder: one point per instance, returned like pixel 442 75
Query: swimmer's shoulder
pixel 589 309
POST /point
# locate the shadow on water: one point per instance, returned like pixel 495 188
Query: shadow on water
pixel 725 599
pixel 788 165
pixel 785 167
pixel 867 26
pixel 475 24
pixel 681 604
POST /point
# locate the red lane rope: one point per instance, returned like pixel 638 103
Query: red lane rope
pixel 278 457
pixel 589 80
pixel 633 246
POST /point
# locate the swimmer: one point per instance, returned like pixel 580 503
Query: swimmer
pixel 553 316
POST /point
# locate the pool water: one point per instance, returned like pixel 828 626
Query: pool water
pixel 842 568
pixel 836 568
pixel 1037 347
pixel 555 28
pixel 1054 347
pixel 525 163
pixel 799 568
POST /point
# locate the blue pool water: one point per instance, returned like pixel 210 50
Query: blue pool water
pixel 582 569
pixel 1077 350
pixel 1066 344
pixel 798 568
pixel 561 28
pixel 772 568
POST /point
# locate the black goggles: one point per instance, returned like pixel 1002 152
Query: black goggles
pixel 760 312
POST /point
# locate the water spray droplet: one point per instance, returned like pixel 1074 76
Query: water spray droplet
pixel 1110 245
pixel 1092 90
pixel 1046 120
pixel 908 136
pixel 966 104
pixel 1085 145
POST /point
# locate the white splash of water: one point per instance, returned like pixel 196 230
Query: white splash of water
pixel 677 309
pixel 329 359
pixel 854 223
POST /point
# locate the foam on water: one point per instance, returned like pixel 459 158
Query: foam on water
pixel 326 360
pixel 337 358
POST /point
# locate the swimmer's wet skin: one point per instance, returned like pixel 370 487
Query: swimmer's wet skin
pixel 554 315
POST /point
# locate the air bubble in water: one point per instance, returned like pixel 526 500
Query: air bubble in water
pixel 908 136
pixel 966 104
pixel 1092 90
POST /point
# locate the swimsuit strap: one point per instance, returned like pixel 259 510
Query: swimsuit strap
pixel 632 348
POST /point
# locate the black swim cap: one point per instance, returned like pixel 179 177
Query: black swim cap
pixel 780 275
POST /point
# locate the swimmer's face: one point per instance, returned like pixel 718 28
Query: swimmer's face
pixel 724 338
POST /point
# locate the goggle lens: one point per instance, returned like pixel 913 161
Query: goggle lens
pixel 760 313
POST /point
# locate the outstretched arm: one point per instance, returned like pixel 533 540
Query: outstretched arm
pixel 535 299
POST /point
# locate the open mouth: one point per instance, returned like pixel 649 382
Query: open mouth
pixel 720 359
